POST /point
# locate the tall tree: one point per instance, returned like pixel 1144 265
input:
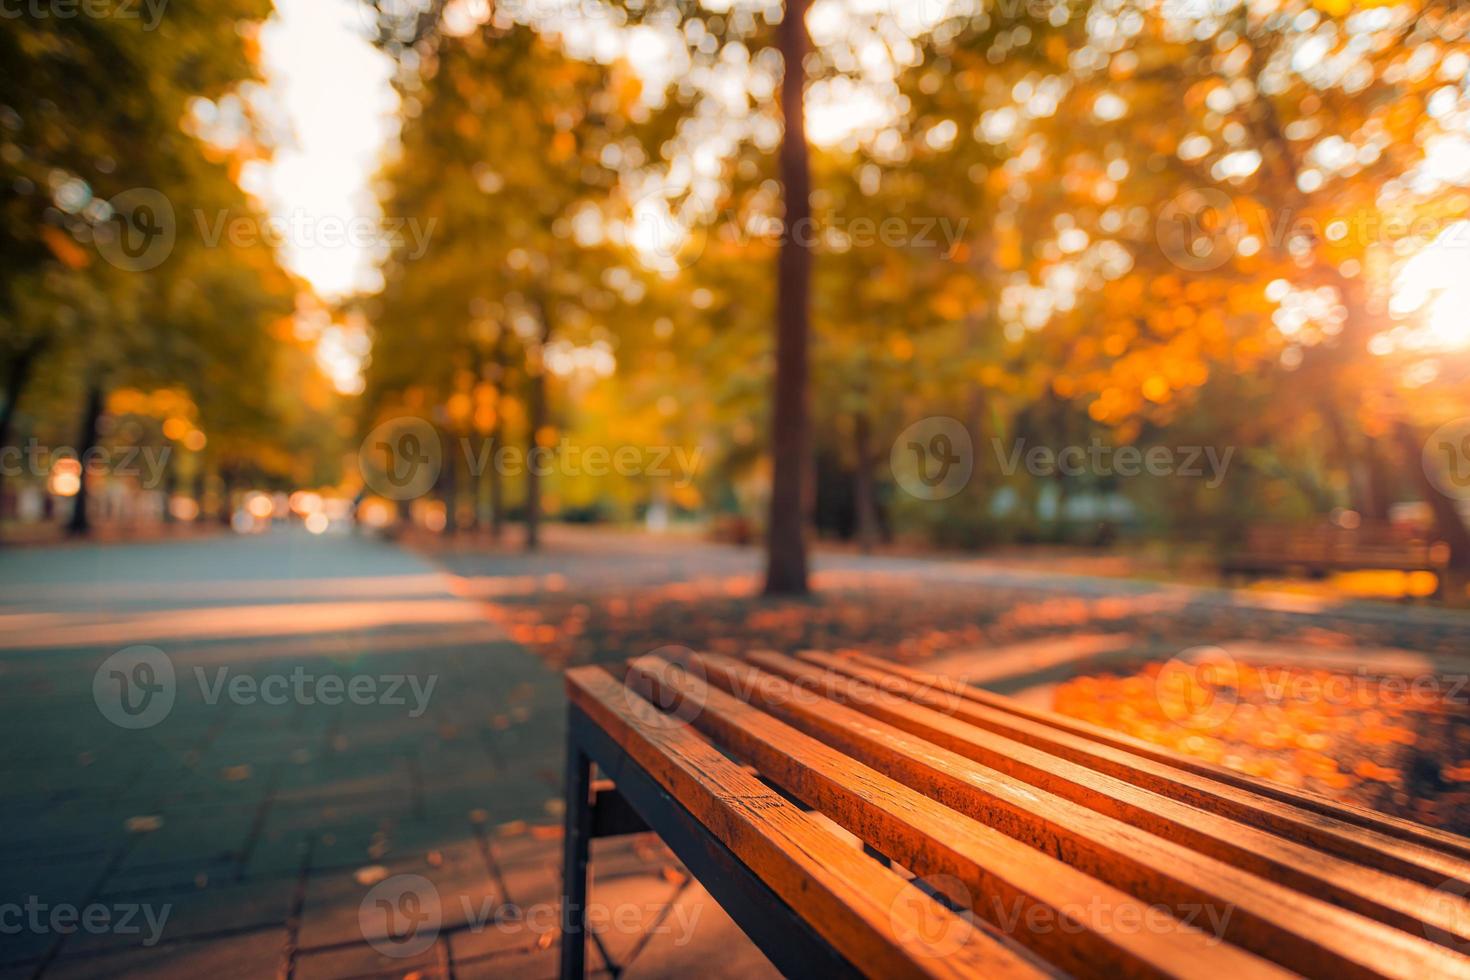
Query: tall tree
pixel 786 558
pixel 506 162
pixel 1195 202
pixel 106 150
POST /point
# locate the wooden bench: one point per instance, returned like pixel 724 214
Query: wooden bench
pixel 1274 549
pixel 998 841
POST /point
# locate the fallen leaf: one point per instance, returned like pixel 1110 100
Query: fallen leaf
pixel 370 875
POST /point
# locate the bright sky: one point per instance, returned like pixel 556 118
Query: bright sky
pixel 1432 287
pixel 336 106
pixel 333 88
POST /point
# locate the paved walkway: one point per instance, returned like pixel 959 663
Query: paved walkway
pixel 286 756
pixel 297 757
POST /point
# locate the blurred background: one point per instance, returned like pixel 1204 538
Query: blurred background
pixel 1111 355
pixel 1177 283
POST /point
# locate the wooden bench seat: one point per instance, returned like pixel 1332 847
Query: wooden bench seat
pixel 1271 549
pixel 998 840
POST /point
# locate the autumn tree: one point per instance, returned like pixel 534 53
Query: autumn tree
pixel 506 163
pixel 1196 199
pixel 105 162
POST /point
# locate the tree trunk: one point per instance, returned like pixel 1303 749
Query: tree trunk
pixel 198 490
pixel 536 418
pixel 16 380
pixel 1380 482
pixel 497 486
pixel 1360 486
pixel 864 506
pixel 80 522
pixel 224 511
pixel 1448 523
pixel 481 518
pixel 497 436
pixel 449 487
pixel 786 560
pixel 170 482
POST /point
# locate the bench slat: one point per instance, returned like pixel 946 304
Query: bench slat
pixel 1002 875
pixel 869 914
pixel 1398 902
pixel 1300 931
pixel 1426 865
pixel 1095 850
pixel 1380 824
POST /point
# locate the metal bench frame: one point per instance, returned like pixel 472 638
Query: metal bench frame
pixel 1026 806
pixel 635 803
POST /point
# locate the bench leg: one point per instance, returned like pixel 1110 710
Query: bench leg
pixel 574 863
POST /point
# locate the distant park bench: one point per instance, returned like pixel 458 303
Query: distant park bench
pixel 732 529
pixel 1056 847
pixel 1319 550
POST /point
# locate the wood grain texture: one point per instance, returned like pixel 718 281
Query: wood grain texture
pixel 1291 927
pixel 1395 901
pixel 869 914
pixel 1156 771
pixel 1078 922
pixel 1365 828
pixel 1101 855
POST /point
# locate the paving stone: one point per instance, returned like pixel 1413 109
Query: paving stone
pixel 192 836
pixel 247 956
pixel 39 889
pixel 363 779
pixel 622 910
pixel 539 964
pixel 533 885
pixel 633 854
pixel 459 803
pixel 57 837
pixel 25 946
pixel 171 877
pixel 208 782
pixel 52 879
pixel 364 960
pixel 332 911
pixel 279 852
pixel 199 912
pixel 697 937
pixel 505 934
pixel 352 845
pixel 530 843
pixel 513 796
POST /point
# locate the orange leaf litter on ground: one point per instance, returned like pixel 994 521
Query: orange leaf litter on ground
pixel 1373 747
